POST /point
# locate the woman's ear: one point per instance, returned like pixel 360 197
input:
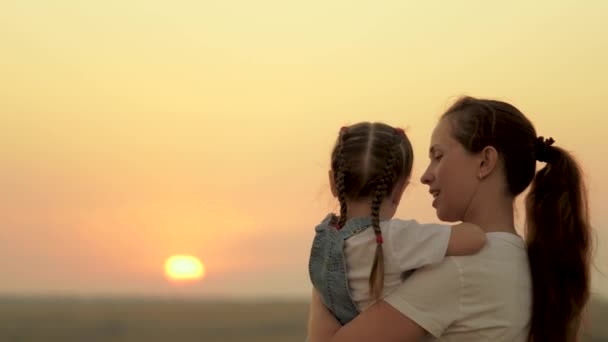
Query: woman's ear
pixel 332 183
pixel 489 159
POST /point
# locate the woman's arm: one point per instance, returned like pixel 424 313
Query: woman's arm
pixel 427 303
pixel 321 323
pixel 380 322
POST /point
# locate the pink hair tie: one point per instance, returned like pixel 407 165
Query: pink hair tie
pixel 379 239
pixel 343 129
pixel 400 131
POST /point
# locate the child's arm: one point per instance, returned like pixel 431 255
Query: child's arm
pixel 412 245
pixel 466 239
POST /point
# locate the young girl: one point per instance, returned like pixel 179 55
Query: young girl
pixel 352 266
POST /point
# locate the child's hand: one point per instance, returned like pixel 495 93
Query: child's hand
pixel 466 239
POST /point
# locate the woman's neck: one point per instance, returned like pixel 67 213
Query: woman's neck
pixel 493 215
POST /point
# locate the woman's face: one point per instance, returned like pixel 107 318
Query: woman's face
pixel 451 174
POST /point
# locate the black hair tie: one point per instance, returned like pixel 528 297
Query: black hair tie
pixel 543 150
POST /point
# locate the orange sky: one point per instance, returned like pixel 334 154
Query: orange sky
pixel 132 131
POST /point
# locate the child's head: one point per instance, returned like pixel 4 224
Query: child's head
pixel 370 163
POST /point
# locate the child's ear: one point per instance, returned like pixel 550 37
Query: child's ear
pixel 398 191
pixel 332 183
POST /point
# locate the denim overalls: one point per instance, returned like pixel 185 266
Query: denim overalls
pixel 327 265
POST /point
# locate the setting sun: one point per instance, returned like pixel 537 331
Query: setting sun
pixel 184 268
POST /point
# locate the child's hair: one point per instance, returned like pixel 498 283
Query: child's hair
pixel 368 161
pixel 557 219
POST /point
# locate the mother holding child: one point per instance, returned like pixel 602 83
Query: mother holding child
pixel 378 278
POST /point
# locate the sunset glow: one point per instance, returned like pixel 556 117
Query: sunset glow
pixel 184 268
pixel 135 131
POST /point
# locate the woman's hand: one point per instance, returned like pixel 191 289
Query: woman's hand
pixel 322 325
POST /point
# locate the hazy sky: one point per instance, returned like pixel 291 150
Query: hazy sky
pixel 134 130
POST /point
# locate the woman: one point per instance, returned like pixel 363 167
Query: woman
pixel 483 154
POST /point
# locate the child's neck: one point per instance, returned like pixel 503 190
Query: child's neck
pixel 364 209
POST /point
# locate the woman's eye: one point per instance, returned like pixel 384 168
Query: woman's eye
pixel 438 157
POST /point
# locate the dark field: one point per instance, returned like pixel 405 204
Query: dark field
pixel 46 319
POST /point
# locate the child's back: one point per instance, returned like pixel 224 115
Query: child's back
pixel 408 245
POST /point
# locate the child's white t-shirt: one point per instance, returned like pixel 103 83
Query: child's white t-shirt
pixel 407 245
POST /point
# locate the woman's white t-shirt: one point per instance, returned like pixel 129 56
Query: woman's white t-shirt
pixel 483 297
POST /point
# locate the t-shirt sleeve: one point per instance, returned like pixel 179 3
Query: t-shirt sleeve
pixel 413 245
pixel 431 296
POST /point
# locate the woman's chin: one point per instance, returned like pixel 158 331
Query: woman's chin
pixel 439 214
pixel 445 216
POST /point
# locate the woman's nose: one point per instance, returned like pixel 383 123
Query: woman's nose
pixel 427 177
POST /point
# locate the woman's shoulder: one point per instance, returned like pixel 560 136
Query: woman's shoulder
pixel 500 264
pixel 497 270
pixel 502 250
